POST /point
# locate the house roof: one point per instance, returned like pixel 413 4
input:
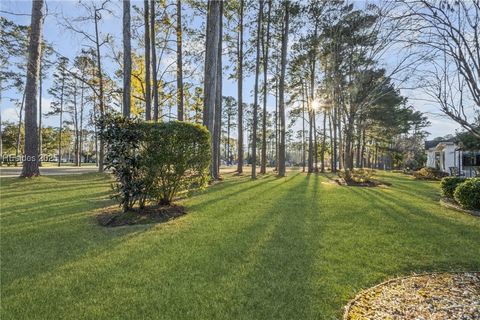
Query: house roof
pixel 433 143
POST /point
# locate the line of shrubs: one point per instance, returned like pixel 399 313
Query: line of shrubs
pixel 464 191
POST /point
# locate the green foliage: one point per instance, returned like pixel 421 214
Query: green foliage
pixel 122 138
pixel 154 161
pixel 467 194
pixel 468 140
pixel 429 174
pixel 449 184
pixel 176 156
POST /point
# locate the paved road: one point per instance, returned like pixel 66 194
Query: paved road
pixel 46 171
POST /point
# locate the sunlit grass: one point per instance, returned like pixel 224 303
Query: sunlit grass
pixel 275 248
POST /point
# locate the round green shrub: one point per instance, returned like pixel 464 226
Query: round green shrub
pixel 449 184
pixel 175 157
pixel 153 162
pixel 467 194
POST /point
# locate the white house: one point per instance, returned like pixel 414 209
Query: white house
pixel 448 157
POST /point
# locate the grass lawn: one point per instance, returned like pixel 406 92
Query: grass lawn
pixel 292 248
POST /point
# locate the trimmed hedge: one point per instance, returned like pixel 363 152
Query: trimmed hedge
pixel 467 194
pixel 449 184
pixel 429 174
pixel 176 157
pixel 154 161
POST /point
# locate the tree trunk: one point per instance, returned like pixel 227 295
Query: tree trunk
pixel 30 163
pixel 40 87
pixel 180 110
pixel 324 141
pixel 127 59
pixel 211 64
pixel 19 131
pixel 281 89
pixel 255 92
pixel 82 92
pixel 304 155
pixel 310 133
pixel 75 124
pixel 154 62
pixel 148 92
pixel 227 146
pixel 240 90
pixel 60 128
pixel 266 44
pixel 315 147
pixel 218 100
pixel 101 97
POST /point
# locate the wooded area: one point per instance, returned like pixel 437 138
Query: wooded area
pixel 326 91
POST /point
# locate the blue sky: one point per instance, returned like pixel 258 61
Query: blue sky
pixel 69 44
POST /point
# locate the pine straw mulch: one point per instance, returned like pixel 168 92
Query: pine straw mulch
pixel 114 217
pixel 435 296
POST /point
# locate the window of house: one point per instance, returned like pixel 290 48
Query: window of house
pixel 470 159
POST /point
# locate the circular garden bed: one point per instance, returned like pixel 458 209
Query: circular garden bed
pixel 114 217
pixel 426 296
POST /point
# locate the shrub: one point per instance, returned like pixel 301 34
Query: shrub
pixel 467 194
pixel 122 139
pixel 357 175
pixel 175 157
pixel 429 174
pixel 449 184
pixel 154 161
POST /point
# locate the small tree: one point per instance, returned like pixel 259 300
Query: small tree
pixel 122 139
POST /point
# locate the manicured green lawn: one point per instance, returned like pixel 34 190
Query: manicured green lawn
pixel 293 248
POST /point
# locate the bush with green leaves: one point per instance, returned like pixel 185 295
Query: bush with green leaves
pixel 175 157
pixel 449 184
pixel 467 194
pixel 429 174
pixel 122 140
pixel 154 161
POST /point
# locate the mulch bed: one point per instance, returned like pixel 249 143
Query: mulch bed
pixel 435 296
pixel 371 183
pixel 114 217
pixel 449 203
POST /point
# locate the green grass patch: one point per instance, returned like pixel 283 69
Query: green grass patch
pixel 275 248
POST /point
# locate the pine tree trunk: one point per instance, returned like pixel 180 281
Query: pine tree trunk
pixel 266 43
pixel 303 133
pixel 148 92
pixel 211 64
pixel 315 148
pixel 101 151
pixel 60 128
pixel 240 91
pixel 82 92
pixel 281 89
pixel 324 141
pixel 255 92
pixel 127 59
pixel 180 108
pixel 75 124
pixel 30 163
pixel 40 87
pixel 218 100
pixel 19 130
pixel 156 111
